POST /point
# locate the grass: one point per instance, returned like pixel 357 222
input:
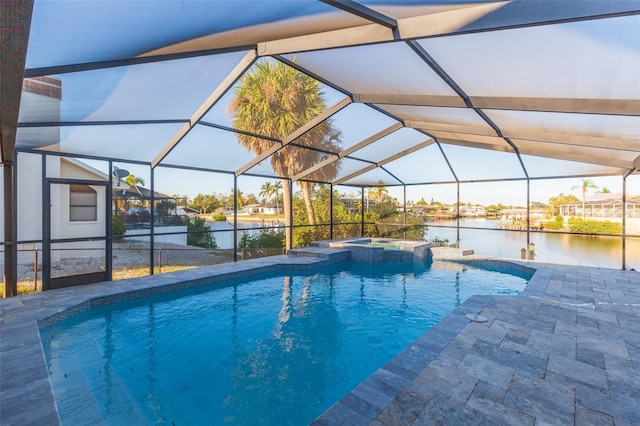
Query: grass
pixel 24 287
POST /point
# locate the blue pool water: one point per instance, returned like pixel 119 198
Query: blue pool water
pixel 276 350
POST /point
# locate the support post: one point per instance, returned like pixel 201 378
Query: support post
pixel 290 242
pixel 624 222
pixel 46 227
pixel 10 231
pixel 362 213
pixel 35 269
pixel 152 229
pixel 458 214
pixel 235 218
pixel 331 211
pixel 404 223
pixel 528 211
pixel 15 24
pixel 109 225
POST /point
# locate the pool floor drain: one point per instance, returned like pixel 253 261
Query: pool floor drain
pixel 476 318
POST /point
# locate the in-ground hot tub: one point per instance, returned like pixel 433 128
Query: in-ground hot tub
pixel 377 250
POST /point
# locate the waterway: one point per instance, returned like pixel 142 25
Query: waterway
pixel 549 247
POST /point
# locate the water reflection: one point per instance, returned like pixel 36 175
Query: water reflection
pixel 306 335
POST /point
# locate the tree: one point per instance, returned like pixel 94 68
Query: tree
pixel 206 203
pixel 199 233
pixel 274 100
pixel 131 180
pixel 378 193
pixel 241 199
pixel 266 192
pixel 559 199
pixel 584 187
pixel 252 199
pixel 277 186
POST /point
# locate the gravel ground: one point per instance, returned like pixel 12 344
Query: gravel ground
pixel 127 255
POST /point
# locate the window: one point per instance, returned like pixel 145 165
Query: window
pixel 83 204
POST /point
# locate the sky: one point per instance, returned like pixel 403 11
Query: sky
pixel 191 183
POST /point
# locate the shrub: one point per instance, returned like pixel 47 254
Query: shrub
pixel 556 224
pixel 585 226
pixel 117 227
pixel 219 217
pixel 266 242
pixel 443 242
pixel 200 233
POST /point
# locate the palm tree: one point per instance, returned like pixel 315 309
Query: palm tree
pixel 131 180
pixel 584 187
pixel 273 99
pixel 277 186
pixel 241 199
pixel 266 191
pixel 379 193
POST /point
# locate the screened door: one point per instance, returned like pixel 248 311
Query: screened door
pixel 77 225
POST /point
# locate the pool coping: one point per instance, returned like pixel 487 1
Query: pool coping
pixel 371 397
pixel 26 395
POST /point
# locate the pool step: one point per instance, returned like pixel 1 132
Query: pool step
pixel 450 252
pixel 322 252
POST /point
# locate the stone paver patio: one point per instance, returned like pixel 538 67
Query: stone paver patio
pixel 566 351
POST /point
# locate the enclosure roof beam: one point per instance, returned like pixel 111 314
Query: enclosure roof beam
pixel 412 100
pixel 245 63
pixel 579 106
pixel 296 134
pixel 480 145
pixel 99 123
pixel 348 151
pixel 452 127
pixel 580 140
pixel 346 37
pixel 385 161
pixel 581 158
pixel 588 141
pixel 137 60
pixel 568 105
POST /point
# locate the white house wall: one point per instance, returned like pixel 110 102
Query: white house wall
pixel 66 228
pixel 29 195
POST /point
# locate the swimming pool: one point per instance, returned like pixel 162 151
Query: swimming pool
pixel 276 350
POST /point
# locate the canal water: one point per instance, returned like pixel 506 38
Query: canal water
pixel 549 247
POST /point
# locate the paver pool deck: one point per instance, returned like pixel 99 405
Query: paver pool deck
pixel 566 351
